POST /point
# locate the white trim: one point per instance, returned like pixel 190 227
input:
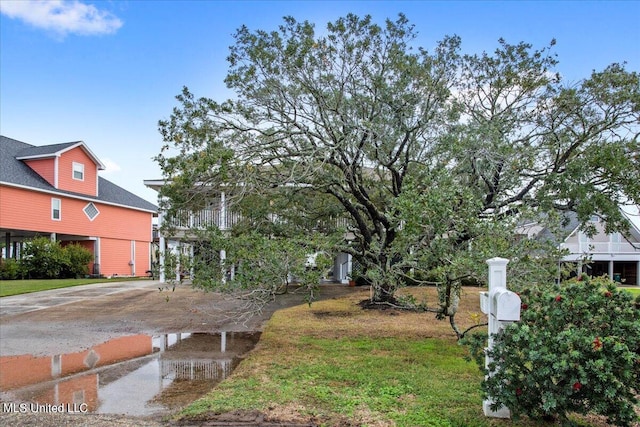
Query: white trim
pixel 97 248
pixel 53 209
pixel 75 197
pixel 77 167
pixel 38 157
pixel 133 257
pixel 55 172
pixel 88 151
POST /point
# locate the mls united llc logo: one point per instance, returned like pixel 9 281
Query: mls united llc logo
pixel 69 408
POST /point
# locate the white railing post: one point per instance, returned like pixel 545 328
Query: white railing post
pixel 501 307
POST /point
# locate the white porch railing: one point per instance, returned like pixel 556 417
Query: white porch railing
pixel 600 248
pixel 184 220
pixel 205 218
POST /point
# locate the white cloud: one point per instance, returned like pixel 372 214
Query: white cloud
pixel 62 16
pixel 110 166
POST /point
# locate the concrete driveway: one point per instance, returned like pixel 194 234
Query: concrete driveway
pixel 71 319
pixel 34 301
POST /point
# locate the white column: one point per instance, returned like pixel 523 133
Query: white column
pixel 223 257
pixel 579 267
pixel 162 247
pixel 177 250
pixel 223 211
pixel 191 256
pixel 610 270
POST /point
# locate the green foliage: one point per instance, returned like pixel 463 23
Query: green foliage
pixel 431 159
pixel 76 261
pixel 46 259
pixel 576 349
pixel 176 266
pixel 259 266
pixel 10 269
pixel 42 258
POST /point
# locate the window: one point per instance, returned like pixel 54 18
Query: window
pixel 56 209
pixel 616 241
pixel 78 171
pixel 91 211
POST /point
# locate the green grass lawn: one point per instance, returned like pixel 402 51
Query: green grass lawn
pixel 335 364
pixel 633 291
pixel 367 381
pixel 16 287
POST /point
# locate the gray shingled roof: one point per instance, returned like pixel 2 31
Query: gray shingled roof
pixel 13 171
pixel 44 150
pixel 569 224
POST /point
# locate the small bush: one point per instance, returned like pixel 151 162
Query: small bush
pixel 9 269
pixel 76 261
pixel 46 259
pixel 42 258
pixel 576 349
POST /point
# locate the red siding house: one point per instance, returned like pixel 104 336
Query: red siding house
pixel 55 190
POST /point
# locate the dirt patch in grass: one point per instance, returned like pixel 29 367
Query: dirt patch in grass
pixel 330 314
pixel 348 319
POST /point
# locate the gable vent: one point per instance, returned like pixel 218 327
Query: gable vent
pixel 91 211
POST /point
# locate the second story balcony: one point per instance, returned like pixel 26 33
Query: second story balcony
pixel 184 220
pixel 610 247
pixel 199 220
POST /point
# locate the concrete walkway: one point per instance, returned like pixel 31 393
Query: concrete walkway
pixel 34 301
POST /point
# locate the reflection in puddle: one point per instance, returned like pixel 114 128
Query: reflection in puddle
pixel 134 375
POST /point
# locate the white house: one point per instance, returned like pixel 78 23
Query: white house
pixel 615 255
pixel 612 254
pixel 217 213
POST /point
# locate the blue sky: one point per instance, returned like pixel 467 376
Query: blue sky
pixel 105 72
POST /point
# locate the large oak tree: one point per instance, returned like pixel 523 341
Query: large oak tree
pixel 432 159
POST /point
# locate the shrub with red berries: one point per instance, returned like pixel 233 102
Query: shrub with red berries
pixel 575 350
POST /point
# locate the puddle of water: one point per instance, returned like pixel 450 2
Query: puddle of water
pixel 134 375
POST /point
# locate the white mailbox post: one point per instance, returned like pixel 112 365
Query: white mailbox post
pixel 502 307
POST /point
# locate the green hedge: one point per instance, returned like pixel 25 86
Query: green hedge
pixel 43 258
